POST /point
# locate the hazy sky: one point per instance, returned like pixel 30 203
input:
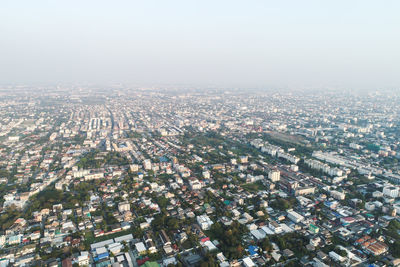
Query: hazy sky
pixel 279 43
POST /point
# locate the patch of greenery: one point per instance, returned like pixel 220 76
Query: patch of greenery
pixel 9 216
pixel 282 203
pixel 230 238
pixel 253 187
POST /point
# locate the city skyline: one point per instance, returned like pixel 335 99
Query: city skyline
pixel 205 133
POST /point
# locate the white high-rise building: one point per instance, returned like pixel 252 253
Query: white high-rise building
pixel 147 164
pixel 391 191
pixel 274 175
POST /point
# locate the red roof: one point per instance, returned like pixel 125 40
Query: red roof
pixel 142 261
pixel 205 239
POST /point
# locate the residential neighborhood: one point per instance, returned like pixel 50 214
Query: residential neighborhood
pixel 147 177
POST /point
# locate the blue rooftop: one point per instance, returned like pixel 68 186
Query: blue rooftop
pixel 252 250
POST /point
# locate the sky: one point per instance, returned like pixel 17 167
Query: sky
pixel 352 44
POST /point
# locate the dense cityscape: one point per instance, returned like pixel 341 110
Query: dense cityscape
pixel 121 176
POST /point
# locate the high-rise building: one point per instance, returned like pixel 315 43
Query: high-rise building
pixel 147 164
pixel 274 175
pixel 391 191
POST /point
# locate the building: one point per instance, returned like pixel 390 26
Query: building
pixel 206 175
pixel 313 229
pixel 375 247
pixel 165 239
pixel 53 136
pixel 15 239
pixel 336 257
pixel 295 217
pixel 194 183
pixel 140 248
pixel 83 259
pixel 270 149
pixel 274 175
pixel 147 164
pixel 369 206
pixel 306 190
pixel 204 221
pixel 13 138
pixel 318 165
pixel 275 227
pixel 124 206
pixel 248 262
pixel 288 157
pixel 391 191
pixel 244 159
pixel 337 195
pixel 95 175
pixel 294 168
pixel 134 167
